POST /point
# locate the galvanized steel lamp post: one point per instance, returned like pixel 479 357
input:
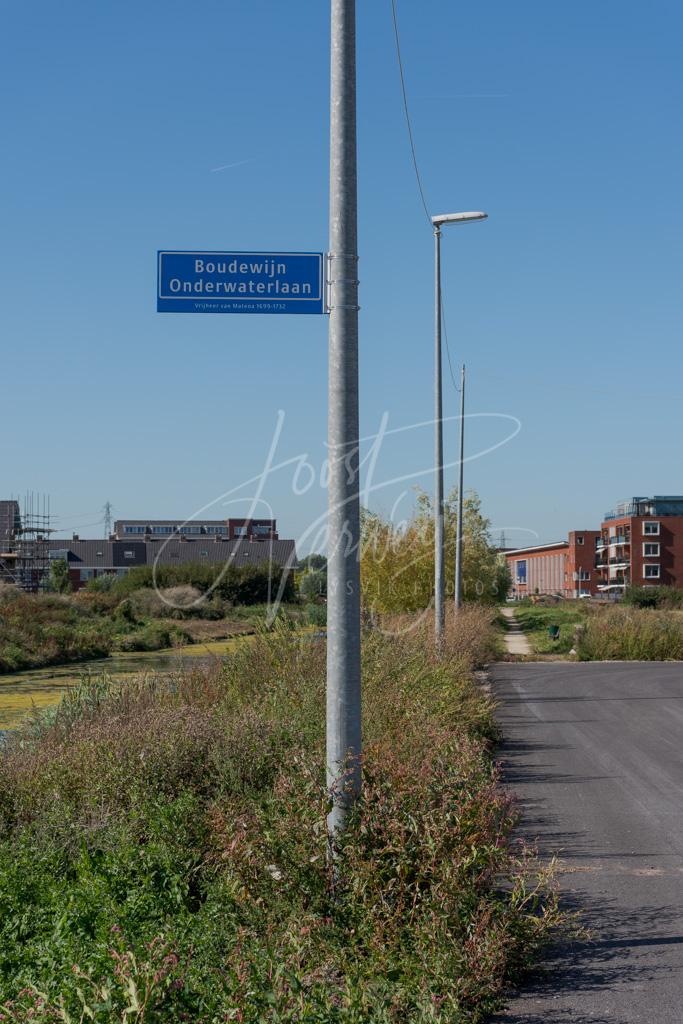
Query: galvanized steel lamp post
pixel 439 570
pixel 343 601
pixel 460 524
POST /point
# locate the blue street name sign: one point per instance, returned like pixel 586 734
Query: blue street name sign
pixel 240 282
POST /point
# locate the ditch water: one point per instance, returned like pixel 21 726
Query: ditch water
pixel 22 692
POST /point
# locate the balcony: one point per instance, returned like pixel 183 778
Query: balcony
pixel 620 560
pixel 621 513
pixel 620 540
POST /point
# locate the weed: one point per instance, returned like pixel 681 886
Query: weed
pixel 163 847
pixel 632 634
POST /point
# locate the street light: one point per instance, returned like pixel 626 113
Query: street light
pixel 458 218
pixel 439 572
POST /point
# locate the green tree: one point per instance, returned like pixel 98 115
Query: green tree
pixel 59 577
pixel 313 584
pixel 313 562
pixel 102 584
pixel 397 564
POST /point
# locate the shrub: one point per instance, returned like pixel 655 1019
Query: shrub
pixel 96 602
pixel 101 584
pixel 313 584
pixel 470 640
pixel 44 629
pixel 631 634
pixel 653 597
pixel 8 592
pixel 145 604
pixel 126 612
pixel 316 614
pixel 249 584
pixel 92 640
pixel 155 636
pixel 12 658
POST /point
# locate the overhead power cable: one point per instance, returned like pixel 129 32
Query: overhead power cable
pixel 407 112
pixel 418 176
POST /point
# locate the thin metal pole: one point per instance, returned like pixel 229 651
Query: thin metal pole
pixel 459 528
pixel 343 602
pixel 439 571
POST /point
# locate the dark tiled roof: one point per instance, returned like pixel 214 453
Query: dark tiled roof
pixel 93 553
pixel 211 552
pixel 88 553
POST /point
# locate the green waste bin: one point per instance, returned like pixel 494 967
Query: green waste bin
pixel 554 632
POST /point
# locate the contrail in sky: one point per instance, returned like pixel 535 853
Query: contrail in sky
pixel 471 96
pixel 238 163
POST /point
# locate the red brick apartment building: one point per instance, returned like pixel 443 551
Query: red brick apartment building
pixel 566 568
pixel 641 544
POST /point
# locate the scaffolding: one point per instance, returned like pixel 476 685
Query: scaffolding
pixel 30 544
pixel 10 520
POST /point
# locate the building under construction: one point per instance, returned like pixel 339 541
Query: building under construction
pixel 25 542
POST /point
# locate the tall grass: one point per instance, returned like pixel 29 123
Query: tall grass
pixel 163 847
pixel 631 634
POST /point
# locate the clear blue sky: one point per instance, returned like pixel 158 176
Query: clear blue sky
pixel 561 120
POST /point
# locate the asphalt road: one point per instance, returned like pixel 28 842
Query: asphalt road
pixel 595 754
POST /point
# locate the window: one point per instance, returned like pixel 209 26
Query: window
pixel 129 554
pixel 650 550
pixel 262 531
pixel 520 571
pixel 163 530
pixel 190 529
pixel 240 531
pixel 651 572
pixel 135 529
pixel 579 540
pixel 651 529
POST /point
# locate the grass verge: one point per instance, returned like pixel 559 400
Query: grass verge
pixel 632 634
pixel 536 620
pixel 163 847
pixel 620 633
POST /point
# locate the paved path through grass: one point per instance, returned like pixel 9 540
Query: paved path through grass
pixel 515 640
